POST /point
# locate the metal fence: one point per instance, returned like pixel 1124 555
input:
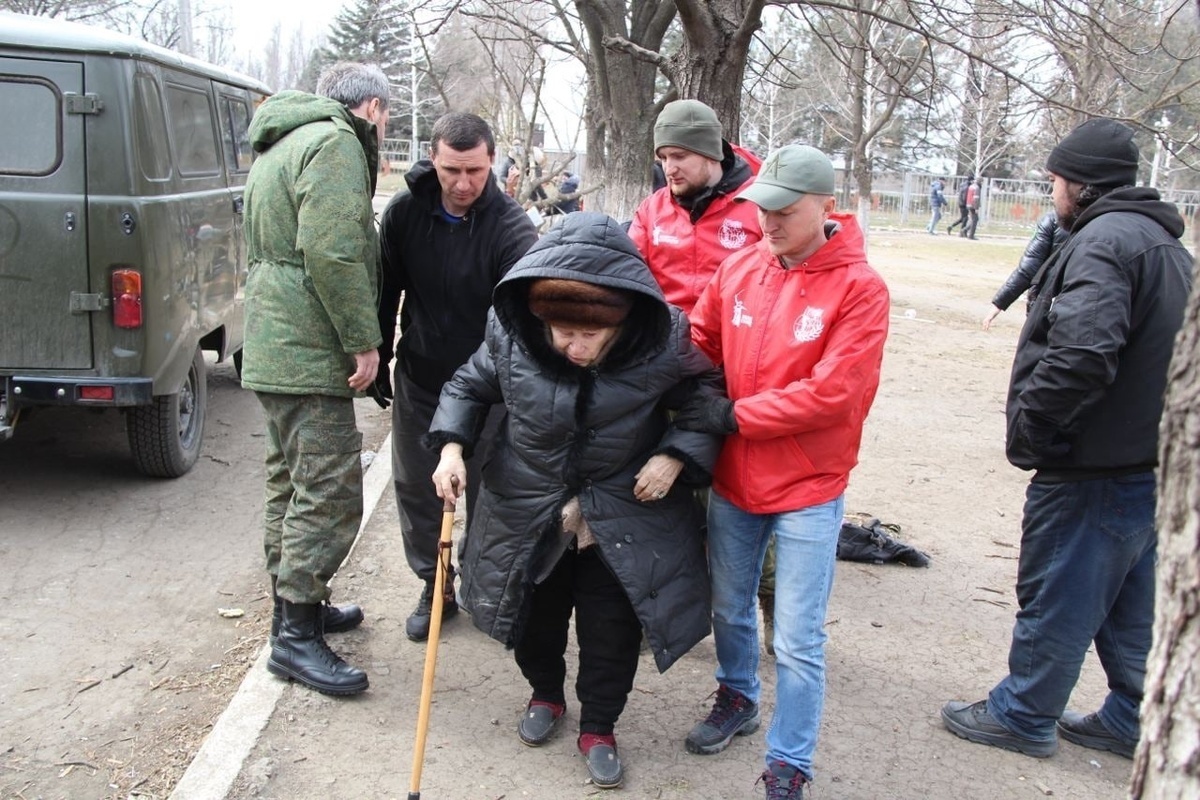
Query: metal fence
pixel 1007 207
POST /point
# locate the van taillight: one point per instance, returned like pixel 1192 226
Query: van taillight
pixel 127 298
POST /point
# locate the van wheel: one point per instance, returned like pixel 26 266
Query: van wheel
pixel 165 436
pixel 237 362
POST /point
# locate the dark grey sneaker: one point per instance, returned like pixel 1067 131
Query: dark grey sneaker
pixel 732 714
pixel 783 781
pixel 973 722
pixel 1087 730
pixel 538 721
pixel 416 627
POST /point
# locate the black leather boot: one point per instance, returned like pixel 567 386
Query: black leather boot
pixel 337 619
pixel 417 625
pixel 301 654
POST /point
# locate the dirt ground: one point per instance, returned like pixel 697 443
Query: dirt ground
pixel 902 641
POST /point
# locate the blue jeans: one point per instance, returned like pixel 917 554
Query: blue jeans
pixel 937 216
pixel 1086 574
pixel 805 549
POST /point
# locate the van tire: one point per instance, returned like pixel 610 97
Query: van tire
pixel 165 436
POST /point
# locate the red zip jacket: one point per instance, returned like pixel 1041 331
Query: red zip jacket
pixel 683 256
pixel 802 349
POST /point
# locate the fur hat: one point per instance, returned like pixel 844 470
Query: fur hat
pixel 1100 152
pixel 691 125
pixel 568 302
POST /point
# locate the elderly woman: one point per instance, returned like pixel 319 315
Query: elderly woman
pixel 586 502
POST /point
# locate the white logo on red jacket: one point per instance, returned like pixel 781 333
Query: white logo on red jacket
pixel 740 317
pixel 659 236
pixel 809 325
pixel 732 235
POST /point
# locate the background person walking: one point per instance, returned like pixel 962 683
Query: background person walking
pixel 963 212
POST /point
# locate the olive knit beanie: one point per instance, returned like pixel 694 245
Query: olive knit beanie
pixel 1100 152
pixel 691 125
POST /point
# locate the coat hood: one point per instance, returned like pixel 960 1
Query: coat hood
pixel 423 185
pixel 1137 200
pixel 281 114
pixel 592 248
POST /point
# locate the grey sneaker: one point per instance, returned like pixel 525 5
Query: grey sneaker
pixel 973 722
pixel 732 714
pixel 783 781
pixel 1087 730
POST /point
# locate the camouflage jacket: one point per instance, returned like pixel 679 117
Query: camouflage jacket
pixel 312 248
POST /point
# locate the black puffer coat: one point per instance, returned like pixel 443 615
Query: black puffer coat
pixel 1047 237
pixel 585 432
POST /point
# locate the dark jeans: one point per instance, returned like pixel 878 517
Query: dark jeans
pixel 606 627
pixel 972 223
pixel 412 472
pixel 1086 574
pixel 963 213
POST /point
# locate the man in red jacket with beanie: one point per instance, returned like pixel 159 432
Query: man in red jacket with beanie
pixel 688 227
pixel 798 321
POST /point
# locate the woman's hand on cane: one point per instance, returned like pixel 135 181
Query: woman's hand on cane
pixel 450 477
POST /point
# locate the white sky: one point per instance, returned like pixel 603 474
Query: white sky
pixel 253 21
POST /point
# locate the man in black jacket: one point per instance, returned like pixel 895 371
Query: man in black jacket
pixel 445 242
pixel 1083 409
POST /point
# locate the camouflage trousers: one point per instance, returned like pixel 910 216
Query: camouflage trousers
pixel 313 503
pixel 766 584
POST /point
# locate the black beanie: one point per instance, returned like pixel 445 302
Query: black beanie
pixel 1100 152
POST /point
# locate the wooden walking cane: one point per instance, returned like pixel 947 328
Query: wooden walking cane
pixel 445 544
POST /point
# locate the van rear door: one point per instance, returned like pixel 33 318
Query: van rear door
pixel 43 217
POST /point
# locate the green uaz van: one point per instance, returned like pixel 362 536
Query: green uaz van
pixel 122 257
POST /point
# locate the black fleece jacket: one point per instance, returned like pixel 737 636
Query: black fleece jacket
pixel 447 272
pixel 1091 365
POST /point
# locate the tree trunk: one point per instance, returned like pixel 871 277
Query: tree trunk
pixel 711 61
pixel 1167 764
pixel 620 100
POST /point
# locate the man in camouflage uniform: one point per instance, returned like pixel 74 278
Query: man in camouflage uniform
pixel 311 344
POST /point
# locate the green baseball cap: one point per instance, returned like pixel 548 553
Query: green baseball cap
pixel 788 174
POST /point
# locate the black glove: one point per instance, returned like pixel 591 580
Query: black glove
pixel 707 415
pixel 381 390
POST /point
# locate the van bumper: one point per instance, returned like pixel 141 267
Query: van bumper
pixel 22 390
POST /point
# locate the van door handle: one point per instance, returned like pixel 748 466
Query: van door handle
pixel 239 204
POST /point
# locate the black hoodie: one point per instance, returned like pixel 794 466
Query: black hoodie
pixel 1090 370
pixel 447 272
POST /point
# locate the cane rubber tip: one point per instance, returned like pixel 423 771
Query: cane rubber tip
pixel 414 796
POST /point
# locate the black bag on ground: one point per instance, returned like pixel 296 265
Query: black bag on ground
pixel 869 541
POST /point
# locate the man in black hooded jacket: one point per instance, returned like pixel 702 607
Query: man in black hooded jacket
pixel 1083 410
pixel 445 242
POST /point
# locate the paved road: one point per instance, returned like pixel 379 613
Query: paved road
pixel 107 570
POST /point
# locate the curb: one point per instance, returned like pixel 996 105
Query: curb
pixel 219 761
